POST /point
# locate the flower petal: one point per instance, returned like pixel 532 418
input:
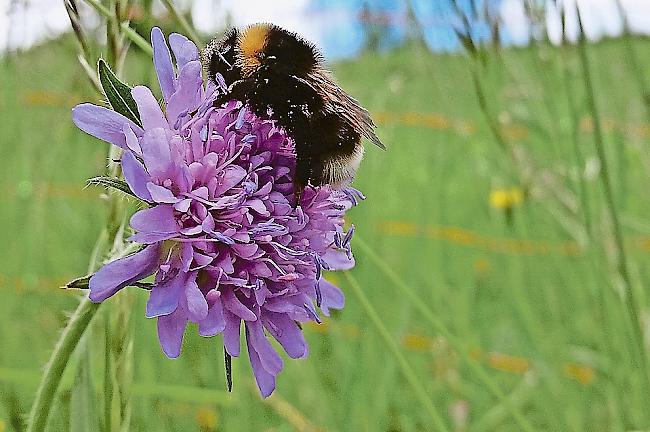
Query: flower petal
pixel 157 154
pixel 117 274
pixel 150 113
pixel 171 329
pixel 232 304
pixel 154 224
pixel 166 295
pixel 233 175
pixel 338 260
pixel 161 194
pixel 197 306
pixel 214 323
pixel 187 96
pixel 136 176
pixel 269 358
pixel 103 123
pixel 162 61
pixel 231 333
pixel 332 297
pixel 132 141
pixel 184 49
pixel 287 332
pixel 265 380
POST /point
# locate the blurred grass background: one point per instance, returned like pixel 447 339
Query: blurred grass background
pixel 507 238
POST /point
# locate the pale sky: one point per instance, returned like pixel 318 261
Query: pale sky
pixel 34 20
pixel 37 20
pixel 600 18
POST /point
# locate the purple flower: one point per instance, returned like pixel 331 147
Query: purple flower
pixel 222 237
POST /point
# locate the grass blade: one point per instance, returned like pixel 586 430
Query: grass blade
pixel 408 372
pixel 621 259
pixel 438 325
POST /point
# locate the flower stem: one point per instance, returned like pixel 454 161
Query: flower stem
pixel 409 373
pixel 124 26
pixel 56 365
pixel 440 327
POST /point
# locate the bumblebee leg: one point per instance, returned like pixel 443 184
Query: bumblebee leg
pixel 220 100
pixel 237 91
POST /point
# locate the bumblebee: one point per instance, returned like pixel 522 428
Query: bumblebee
pixel 279 74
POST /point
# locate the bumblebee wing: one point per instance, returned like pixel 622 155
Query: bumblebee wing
pixel 346 106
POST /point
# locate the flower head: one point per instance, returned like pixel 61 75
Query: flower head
pixel 220 233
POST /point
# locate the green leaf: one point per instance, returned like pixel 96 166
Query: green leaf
pixel 79 283
pixel 118 93
pixel 228 366
pixel 84 284
pixel 112 182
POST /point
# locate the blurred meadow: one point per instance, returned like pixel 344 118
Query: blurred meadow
pixel 512 201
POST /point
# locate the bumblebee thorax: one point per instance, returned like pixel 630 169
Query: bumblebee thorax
pixel 275 49
pixel 252 44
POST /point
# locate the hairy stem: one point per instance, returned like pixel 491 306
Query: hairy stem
pixel 56 365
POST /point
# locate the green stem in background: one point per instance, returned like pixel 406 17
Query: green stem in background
pixel 187 28
pixel 124 27
pixel 632 58
pixel 575 124
pixel 621 256
pixel 440 327
pixel 56 365
pixel 407 370
pixel 492 418
pixel 577 154
pixel 138 40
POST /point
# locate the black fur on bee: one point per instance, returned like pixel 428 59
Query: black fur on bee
pixel 275 70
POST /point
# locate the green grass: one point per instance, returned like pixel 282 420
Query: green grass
pixel 547 307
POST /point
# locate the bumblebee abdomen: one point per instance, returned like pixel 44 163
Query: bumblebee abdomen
pixel 337 149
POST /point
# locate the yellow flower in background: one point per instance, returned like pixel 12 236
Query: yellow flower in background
pixel 207 418
pixel 2 426
pixel 583 374
pixel 506 199
pixel 482 267
pixel 415 342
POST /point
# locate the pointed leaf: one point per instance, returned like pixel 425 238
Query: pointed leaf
pixel 228 365
pixel 118 93
pixel 112 182
pixel 82 283
pixel 79 283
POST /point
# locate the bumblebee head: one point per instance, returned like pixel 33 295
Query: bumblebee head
pixel 269 47
pixel 220 56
